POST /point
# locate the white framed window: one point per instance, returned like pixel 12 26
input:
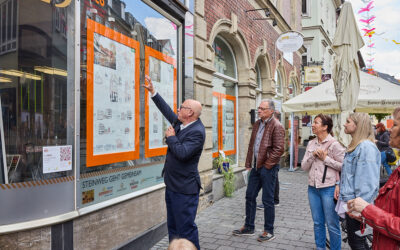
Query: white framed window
pixel 306 8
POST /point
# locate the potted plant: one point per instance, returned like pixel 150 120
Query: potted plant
pixel 222 164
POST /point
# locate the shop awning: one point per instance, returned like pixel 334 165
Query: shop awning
pixel 376 96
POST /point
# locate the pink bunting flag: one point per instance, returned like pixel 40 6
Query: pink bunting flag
pixel 368 21
pixel 368 8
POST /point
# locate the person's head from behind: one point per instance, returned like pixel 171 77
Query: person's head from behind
pixel 181 244
pixel 395 134
pixel 359 126
pixel 189 111
pixel 322 125
pixel 380 127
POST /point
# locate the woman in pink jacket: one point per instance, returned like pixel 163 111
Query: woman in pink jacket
pixel 384 215
pixel 323 159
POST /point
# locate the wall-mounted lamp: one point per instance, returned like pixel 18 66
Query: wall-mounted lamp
pixel 252 116
pixel 268 15
pixel 267 12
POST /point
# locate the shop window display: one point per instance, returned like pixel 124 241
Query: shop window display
pixel 36 94
pixel 37 108
pixel 122 146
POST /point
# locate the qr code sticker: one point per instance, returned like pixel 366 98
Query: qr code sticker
pixel 65 153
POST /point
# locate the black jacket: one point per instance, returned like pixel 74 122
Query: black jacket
pixel 180 171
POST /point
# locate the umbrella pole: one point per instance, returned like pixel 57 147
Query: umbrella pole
pixel 291 169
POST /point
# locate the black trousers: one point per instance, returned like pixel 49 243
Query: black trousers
pixel 356 242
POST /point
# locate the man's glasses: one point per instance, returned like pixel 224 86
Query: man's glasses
pixel 183 107
pixel 263 109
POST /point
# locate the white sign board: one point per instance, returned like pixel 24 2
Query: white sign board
pixel 289 41
pixel 57 159
pixel 113 97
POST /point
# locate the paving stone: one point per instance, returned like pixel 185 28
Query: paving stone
pixel 210 246
pixel 225 248
pixel 293 222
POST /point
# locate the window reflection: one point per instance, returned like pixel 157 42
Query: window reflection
pixel 36 75
pixel 224 61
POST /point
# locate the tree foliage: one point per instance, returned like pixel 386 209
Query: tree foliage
pixel 379 116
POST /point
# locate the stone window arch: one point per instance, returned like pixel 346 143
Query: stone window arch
pixel 224 107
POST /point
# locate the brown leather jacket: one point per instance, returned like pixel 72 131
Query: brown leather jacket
pixel 271 146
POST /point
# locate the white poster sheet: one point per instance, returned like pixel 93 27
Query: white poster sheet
pixel 57 159
pixel 228 121
pixel 162 76
pixel 113 97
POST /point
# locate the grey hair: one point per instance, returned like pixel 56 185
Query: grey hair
pixel 271 103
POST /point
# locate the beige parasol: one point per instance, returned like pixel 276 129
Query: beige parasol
pixel 345 73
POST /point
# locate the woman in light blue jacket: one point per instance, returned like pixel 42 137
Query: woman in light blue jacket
pixel 360 170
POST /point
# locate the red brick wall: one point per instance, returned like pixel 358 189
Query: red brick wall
pixel 253 30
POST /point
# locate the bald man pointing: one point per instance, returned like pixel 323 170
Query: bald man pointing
pixel 185 140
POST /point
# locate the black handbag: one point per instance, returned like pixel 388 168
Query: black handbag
pixel 390 156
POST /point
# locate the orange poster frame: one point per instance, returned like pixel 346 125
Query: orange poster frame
pixel 221 96
pixel 150 52
pixel 91 159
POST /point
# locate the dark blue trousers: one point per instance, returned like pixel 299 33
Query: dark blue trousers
pixel 181 213
pixel 265 179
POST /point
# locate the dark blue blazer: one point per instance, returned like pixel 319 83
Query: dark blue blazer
pixel 181 174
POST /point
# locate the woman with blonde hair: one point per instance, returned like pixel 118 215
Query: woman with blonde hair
pixel 360 171
pixel 384 215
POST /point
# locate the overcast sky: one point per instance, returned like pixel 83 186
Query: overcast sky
pixel 387 53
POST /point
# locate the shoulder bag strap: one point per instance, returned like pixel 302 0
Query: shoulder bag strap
pixel 326 167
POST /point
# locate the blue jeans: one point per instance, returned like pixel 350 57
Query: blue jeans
pixel 323 211
pixel 385 163
pixel 265 179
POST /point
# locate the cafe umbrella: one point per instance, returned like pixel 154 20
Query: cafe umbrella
pixel 346 73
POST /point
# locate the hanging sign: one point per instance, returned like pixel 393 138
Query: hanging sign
pixel 312 74
pixel 289 42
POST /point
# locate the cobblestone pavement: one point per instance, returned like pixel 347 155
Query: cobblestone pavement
pixel 293 222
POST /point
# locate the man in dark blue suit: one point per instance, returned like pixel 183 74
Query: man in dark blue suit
pixel 185 140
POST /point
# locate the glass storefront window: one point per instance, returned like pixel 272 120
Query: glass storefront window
pixel 121 129
pixel 37 106
pixel 224 101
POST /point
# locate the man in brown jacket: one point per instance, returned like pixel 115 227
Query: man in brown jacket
pixel 265 150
